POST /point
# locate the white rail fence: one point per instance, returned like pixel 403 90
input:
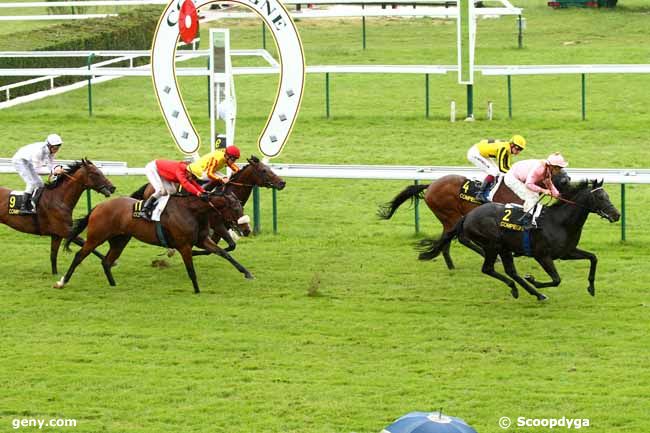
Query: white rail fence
pixel 622 176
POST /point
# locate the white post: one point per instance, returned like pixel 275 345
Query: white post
pixel 222 89
pixel 489 110
pixel 452 114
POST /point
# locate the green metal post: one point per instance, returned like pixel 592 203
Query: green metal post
pixel 327 94
pixel 584 102
pixel 263 36
pixel 622 211
pixel 89 200
pixel 426 95
pixel 363 28
pixel 257 227
pixel 90 84
pixel 275 211
pixel 470 100
pixel 520 37
pixel 416 208
pixel 509 97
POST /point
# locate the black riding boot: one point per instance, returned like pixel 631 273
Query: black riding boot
pixel 480 195
pixel 148 207
pixel 26 207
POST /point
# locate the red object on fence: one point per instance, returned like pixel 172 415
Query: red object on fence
pixel 188 21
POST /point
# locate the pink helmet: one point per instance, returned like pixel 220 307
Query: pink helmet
pixel 233 151
pixel 557 159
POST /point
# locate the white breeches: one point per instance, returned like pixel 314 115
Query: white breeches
pixel 26 170
pixel 529 197
pixel 161 186
pixel 483 163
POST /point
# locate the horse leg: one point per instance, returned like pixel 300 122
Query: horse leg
pixel 578 254
pixel 213 248
pixel 509 266
pixel 79 241
pixel 54 252
pixel 78 258
pixel 471 245
pixel 549 267
pixel 447 257
pixel 186 253
pixel 488 269
pixel 118 243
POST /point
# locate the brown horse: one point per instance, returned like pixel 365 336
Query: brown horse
pixel 256 173
pixel 443 198
pixel 184 224
pixel 54 210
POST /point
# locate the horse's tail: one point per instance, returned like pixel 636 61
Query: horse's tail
pixel 431 248
pixel 139 194
pixel 387 210
pixel 79 226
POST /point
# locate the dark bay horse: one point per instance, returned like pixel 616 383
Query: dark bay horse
pixel 54 210
pixel 184 225
pixel 443 199
pixel 558 237
pixel 255 173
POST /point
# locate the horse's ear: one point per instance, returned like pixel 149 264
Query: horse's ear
pixel 255 159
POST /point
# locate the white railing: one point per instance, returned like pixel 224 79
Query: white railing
pixel 381 172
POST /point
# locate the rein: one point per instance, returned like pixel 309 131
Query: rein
pixel 599 212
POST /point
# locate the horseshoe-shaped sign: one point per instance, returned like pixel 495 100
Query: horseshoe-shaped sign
pixel 290 90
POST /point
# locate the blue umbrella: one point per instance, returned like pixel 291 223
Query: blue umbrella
pixel 428 422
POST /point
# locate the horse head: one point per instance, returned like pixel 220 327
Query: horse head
pixel 95 179
pixel 592 196
pixel 601 203
pixel 229 206
pixel 259 174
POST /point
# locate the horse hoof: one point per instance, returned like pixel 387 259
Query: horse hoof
pixel 514 293
pixel 542 298
pixel 592 291
pixel 529 278
pixel 249 277
pixel 59 284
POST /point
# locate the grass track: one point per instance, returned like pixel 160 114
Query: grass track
pixel 386 334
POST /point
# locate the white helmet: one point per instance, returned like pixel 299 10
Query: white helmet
pixel 54 140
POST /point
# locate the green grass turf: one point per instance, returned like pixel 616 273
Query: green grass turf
pixel 384 334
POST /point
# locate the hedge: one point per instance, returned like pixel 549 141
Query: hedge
pixel 132 30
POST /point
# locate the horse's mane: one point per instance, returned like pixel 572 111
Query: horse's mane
pixel 70 170
pixel 576 188
pixel 252 160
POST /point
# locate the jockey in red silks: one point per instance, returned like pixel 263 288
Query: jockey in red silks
pixel 165 175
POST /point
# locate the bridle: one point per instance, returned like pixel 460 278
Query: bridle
pixel 598 212
pixel 263 174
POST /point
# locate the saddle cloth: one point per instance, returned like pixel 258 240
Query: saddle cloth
pixel 469 189
pixel 15 201
pixel 161 204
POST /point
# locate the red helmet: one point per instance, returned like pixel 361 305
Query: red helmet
pixel 233 151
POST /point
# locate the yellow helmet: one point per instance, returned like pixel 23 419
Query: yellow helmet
pixel 518 140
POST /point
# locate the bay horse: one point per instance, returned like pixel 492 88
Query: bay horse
pixel 255 173
pixel 58 200
pixel 443 199
pixel 184 225
pixel 557 238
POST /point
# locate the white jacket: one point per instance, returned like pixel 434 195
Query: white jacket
pixel 37 153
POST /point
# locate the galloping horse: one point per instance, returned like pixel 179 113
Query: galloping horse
pixel 443 198
pixel 256 173
pixel 557 239
pixel 54 210
pixel 183 225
